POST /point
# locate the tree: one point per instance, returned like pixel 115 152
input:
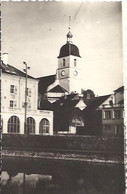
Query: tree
pixel 88 94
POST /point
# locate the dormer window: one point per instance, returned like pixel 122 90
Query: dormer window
pixel 63 62
pixel 75 62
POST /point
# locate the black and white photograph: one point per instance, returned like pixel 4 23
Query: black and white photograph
pixel 62 97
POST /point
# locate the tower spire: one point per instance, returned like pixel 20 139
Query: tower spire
pixel 69 23
pixel 69 34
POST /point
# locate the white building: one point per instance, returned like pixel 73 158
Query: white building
pixel 12 104
pixel 113 114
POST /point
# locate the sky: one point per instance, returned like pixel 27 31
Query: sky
pixel 35 31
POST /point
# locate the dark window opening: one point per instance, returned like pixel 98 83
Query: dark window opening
pixel 63 62
pixel 13 125
pixel 30 125
pixel 44 126
pixel 75 62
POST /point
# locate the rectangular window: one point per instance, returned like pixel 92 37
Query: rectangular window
pixel 108 114
pixel 28 92
pixel 12 87
pixel 117 114
pixel 63 62
pixel 75 62
pixel 11 103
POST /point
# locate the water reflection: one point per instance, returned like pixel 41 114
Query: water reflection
pixel 23 183
pixel 53 177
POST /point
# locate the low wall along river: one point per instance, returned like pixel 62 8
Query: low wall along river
pixel 79 143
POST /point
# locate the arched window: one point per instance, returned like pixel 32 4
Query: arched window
pixel 44 126
pixel 63 62
pixel 13 125
pixel 30 125
pixel 75 62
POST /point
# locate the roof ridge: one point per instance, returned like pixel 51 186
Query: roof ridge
pixel 46 76
pixel 16 71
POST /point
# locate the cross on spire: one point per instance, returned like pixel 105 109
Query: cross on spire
pixel 69 23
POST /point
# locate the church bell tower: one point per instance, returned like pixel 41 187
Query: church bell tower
pixel 69 66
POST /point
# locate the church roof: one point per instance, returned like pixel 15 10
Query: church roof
pixel 13 70
pixel 121 89
pixel 45 105
pixel 67 102
pixel 69 49
pixel 44 82
pixel 72 100
pixel 94 103
pixel 58 88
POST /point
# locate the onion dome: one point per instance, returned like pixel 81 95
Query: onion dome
pixel 69 49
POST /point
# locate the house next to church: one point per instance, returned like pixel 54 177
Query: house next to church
pixel 113 114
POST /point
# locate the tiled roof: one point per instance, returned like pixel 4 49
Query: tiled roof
pixel 68 101
pixel 121 89
pixel 46 105
pixel 44 82
pixel 70 104
pixel 58 88
pixel 94 103
pixel 13 70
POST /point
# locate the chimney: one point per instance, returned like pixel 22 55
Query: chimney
pixel 5 58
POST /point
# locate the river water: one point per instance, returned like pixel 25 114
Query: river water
pixel 43 176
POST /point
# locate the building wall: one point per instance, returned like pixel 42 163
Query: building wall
pixel 37 116
pixel 112 125
pixel 19 92
pixel 118 97
pixel 18 96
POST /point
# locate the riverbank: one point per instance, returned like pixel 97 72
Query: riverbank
pixel 91 158
pixel 88 149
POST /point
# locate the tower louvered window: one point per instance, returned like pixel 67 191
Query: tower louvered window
pixel 75 62
pixel 63 62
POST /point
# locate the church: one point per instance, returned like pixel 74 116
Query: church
pixel 74 108
pixel 68 74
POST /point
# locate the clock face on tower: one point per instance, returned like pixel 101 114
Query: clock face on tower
pixel 63 73
pixel 75 73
